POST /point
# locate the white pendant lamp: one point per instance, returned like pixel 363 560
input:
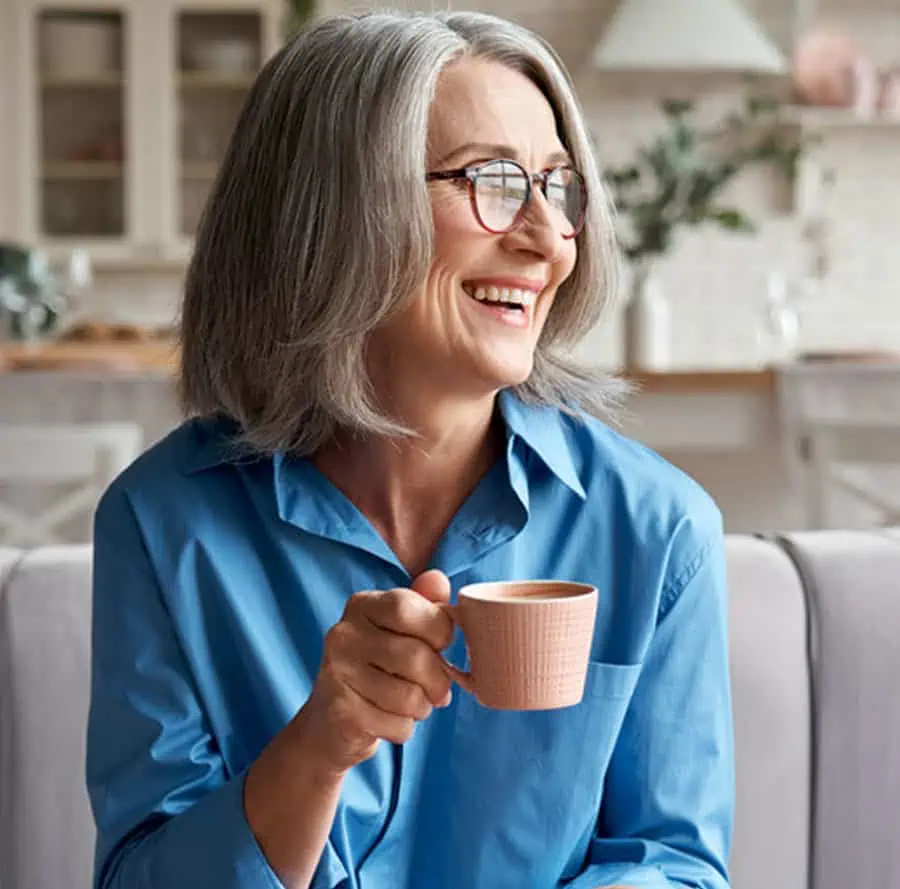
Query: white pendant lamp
pixel 686 35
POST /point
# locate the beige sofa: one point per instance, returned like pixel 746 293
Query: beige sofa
pixel 816 669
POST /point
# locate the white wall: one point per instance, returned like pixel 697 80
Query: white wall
pixel 716 281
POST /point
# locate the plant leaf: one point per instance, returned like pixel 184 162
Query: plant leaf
pixel 731 219
pixel 677 107
pixel 623 176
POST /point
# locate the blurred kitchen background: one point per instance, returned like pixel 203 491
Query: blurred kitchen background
pixel 752 148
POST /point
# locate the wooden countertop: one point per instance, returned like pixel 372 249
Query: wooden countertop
pixel 159 356
pixel 153 356
pixel 704 381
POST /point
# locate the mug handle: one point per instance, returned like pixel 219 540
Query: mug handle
pixel 462 678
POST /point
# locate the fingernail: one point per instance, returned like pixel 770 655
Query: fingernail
pixel 447 699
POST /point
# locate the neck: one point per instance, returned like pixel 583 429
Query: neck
pixel 411 488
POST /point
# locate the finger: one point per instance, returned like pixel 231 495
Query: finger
pixel 433 585
pixel 372 720
pixel 355 643
pixel 412 660
pixel 406 613
pixel 391 694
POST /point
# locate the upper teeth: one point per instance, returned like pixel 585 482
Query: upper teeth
pixel 504 295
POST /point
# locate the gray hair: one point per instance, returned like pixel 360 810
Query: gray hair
pixel 319 227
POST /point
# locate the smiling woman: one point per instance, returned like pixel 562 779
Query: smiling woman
pixel 406 240
pixel 504 99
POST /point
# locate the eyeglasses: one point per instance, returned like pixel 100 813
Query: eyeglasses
pixel 501 191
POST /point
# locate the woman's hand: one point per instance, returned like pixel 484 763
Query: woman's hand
pixel 381 672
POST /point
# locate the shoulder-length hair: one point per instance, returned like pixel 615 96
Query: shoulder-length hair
pixel 319 227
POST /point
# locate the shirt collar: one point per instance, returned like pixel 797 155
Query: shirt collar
pixel 541 429
pixel 214 444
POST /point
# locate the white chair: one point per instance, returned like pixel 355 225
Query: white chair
pixel 843 421
pixel 79 460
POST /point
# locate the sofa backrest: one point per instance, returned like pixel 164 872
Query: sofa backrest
pixel 46 829
pixel 853 587
pixel 841 756
pixel 772 717
pixel 8 560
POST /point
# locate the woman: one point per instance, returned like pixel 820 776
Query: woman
pixel 405 241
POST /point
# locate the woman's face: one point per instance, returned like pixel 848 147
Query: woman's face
pixel 454 339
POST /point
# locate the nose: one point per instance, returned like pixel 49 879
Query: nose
pixel 538 232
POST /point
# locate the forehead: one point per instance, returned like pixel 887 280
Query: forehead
pixel 478 100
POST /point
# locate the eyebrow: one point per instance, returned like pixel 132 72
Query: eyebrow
pixel 500 151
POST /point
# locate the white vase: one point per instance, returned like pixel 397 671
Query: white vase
pixel 647 323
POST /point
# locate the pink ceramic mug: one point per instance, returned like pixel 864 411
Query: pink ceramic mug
pixel 529 642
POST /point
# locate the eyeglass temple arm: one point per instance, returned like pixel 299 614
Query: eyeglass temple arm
pixel 448 174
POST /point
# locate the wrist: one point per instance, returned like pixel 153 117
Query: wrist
pixel 312 753
pixel 290 796
pixel 290 770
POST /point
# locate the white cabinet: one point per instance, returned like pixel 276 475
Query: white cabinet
pixel 8 123
pixel 123 111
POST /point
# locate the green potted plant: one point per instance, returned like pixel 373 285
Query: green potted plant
pixel 32 300
pixel 680 180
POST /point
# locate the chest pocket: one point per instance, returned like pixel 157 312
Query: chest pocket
pixel 527 785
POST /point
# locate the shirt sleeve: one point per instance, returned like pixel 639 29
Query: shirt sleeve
pixel 666 819
pixel 168 813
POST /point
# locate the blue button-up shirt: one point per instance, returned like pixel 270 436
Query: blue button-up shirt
pixel 216 579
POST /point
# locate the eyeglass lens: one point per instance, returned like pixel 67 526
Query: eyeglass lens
pixel 501 188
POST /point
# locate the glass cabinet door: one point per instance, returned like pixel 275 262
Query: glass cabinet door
pixel 125 109
pixel 81 123
pixel 219 52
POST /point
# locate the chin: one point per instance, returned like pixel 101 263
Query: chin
pixel 508 374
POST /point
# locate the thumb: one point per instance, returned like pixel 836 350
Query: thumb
pixel 433 585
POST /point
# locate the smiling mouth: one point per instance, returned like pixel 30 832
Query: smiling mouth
pixel 502 297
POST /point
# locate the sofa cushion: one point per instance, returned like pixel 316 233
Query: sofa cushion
pixel 46 841
pixel 8 559
pixel 772 723
pixel 854 588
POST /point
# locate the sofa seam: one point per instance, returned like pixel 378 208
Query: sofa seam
pixel 811 596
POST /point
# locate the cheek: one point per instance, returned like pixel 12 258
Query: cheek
pixel 565 265
pixel 455 227
pixel 451 210
pixel 568 255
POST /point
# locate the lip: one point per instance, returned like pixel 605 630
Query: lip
pixel 518 319
pixel 511 282
pixel 534 285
